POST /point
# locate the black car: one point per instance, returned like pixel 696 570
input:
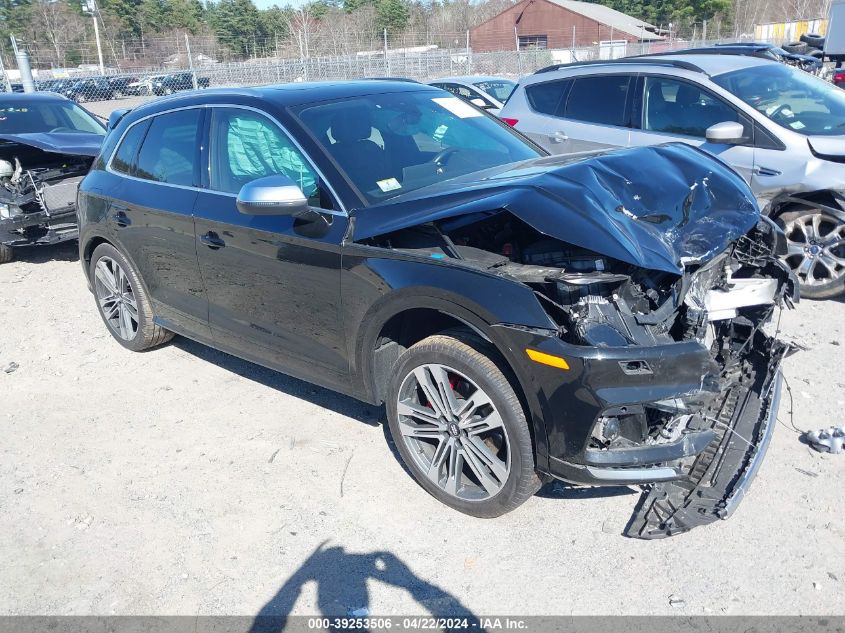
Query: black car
pixel 120 84
pixel 176 82
pixel 522 317
pixel 766 51
pixel 92 89
pixel 47 144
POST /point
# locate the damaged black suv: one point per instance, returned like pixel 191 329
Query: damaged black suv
pixel 47 145
pixel 598 319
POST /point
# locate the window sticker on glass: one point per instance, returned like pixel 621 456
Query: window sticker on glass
pixel 389 184
pixel 457 107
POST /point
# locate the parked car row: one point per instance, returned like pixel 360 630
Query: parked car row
pixel 110 87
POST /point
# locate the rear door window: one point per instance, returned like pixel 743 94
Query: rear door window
pixel 547 97
pixel 599 99
pixel 170 150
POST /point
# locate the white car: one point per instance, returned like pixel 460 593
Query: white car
pixel 489 93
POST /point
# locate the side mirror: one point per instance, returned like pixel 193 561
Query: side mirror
pixel 272 195
pixel 115 117
pixel 481 103
pixel 726 133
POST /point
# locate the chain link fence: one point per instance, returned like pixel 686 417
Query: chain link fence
pixel 187 68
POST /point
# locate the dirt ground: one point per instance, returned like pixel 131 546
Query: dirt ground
pixel 185 481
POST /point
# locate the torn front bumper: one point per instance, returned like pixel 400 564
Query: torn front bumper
pixel 39 228
pixel 742 422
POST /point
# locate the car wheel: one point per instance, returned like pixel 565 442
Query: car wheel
pixel 816 243
pixel 460 427
pixel 6 254
pixel 123 302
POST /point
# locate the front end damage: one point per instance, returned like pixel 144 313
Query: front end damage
pixel 38 192
pixel 673 376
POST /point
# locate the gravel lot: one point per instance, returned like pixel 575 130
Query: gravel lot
pixel 185 481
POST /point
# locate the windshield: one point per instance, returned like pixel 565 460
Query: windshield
pixel 501 89
pixel 21 117
pixel 390 144
pixel 790 97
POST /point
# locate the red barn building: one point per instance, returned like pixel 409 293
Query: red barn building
pixel 558 24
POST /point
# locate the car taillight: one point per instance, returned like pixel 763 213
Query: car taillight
pixel 839 76
pixel 510 122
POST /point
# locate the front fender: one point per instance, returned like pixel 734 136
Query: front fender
pixel 377 287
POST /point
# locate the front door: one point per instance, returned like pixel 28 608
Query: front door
pixel 670 109
pixel 273 282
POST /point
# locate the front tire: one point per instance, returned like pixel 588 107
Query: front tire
pixel 122 301
pixel 459 426
pixel 6 254
pixel 816 243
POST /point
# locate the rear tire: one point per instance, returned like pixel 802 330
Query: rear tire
pixel 460 427
pixel 816 243
pixel 123 302
pixel 6 254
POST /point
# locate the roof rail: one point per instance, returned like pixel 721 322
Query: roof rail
pixel 645 59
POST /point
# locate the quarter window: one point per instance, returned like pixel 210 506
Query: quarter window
pixel 546 98
pixel 169 151
pixel 678 107
pixel 246 146
pixel 124 158
pixel 598 99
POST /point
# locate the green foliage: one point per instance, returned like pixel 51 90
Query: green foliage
pixel 274 21
pixel 126 14
pixel 159 15
pixel 392 15
pixel 662 12
pixel 236 23
pixel 351 5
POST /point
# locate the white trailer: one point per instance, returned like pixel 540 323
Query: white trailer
pixel 834 43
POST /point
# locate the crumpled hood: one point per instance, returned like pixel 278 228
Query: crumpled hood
pixel 81 143
pixel 654 207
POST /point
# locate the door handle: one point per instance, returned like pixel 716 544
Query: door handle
pixel 558 137
pixel 212 240
pixel 766 171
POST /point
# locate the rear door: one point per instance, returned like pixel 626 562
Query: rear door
pixel 273 281
pixel 578 114
pixel 150 214
pixel 669 109
pixel 596 113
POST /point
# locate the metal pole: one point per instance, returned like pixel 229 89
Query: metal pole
pixel 6 82
pixel 386 60
pixel 190 62
pixel 469 54
pixel 22 58
pixel 99 48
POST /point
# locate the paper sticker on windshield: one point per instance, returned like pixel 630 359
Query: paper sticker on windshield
pixel 457 107
pixel 389 184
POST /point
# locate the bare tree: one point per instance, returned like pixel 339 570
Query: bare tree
pixel 54 23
